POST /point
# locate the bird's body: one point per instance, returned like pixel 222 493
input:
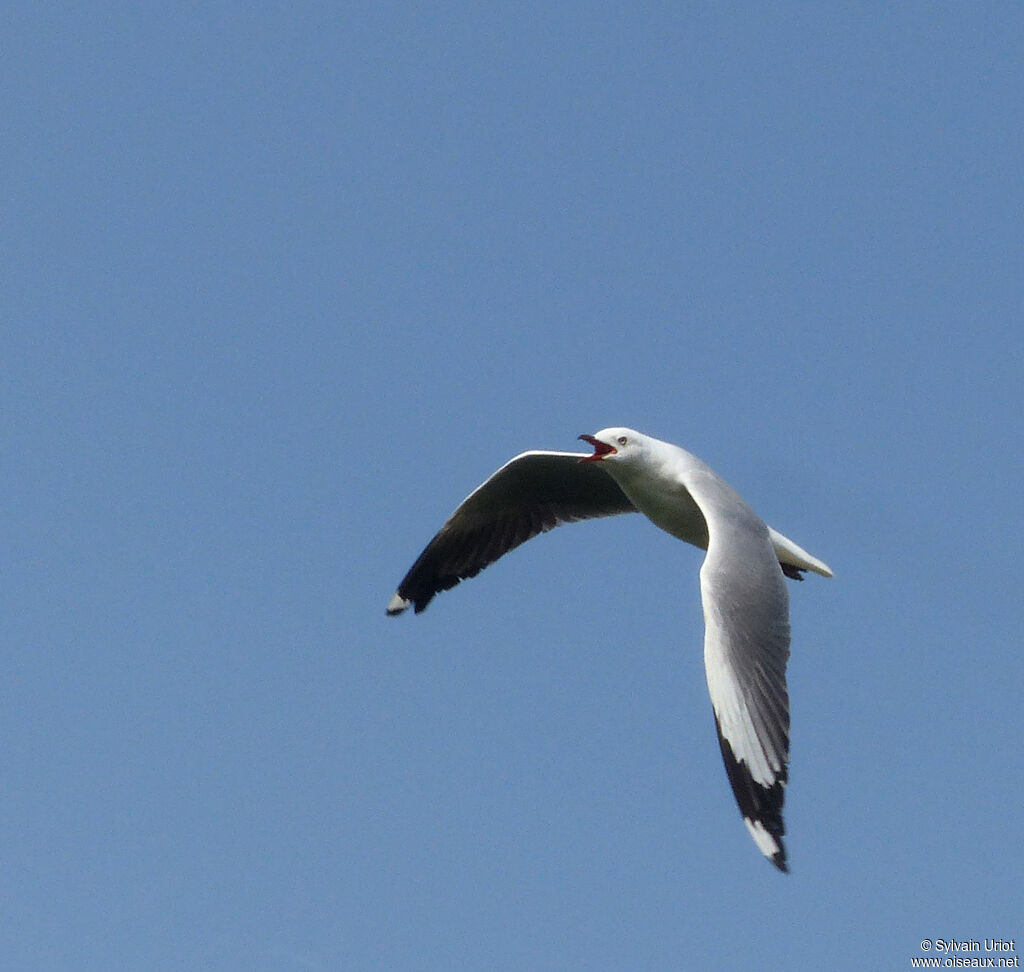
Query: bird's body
pixel 658 489
pixel 746 604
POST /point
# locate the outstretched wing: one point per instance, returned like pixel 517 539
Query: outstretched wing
pixel 746 647
pixel 530 494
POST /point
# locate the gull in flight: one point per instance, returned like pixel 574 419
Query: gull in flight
pixel 743 591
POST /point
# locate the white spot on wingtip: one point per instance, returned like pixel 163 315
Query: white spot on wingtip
pixel 766 843
pixel 397 604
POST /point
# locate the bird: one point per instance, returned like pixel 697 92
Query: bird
pixel 742 583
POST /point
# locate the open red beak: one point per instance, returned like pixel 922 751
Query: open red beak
pixel 601 449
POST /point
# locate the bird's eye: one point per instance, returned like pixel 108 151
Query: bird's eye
pixel 622 440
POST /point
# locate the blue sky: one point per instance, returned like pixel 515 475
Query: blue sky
pixel 283 282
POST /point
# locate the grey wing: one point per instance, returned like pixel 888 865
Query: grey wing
pixel 746 647
pixel 530 494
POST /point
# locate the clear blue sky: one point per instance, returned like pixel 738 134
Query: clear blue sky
pixel 283 282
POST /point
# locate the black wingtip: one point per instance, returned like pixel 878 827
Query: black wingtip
pixel 760 806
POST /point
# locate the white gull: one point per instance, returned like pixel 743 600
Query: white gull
pixel 746 604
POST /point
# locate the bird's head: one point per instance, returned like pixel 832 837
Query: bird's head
pixel 614 445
